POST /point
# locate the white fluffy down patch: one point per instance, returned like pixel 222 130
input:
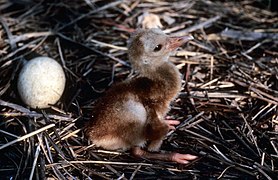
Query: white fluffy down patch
pixel 136 110
pixel 116 143
pixel 111 143
pixel 128 111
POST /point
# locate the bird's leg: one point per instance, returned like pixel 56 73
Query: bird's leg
pixel 155 145
pixel 156 129
pixel 172 157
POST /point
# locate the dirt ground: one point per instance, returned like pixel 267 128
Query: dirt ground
pixel 228 106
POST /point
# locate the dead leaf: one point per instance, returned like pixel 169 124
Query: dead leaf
pixel 149 20
pixel 168 19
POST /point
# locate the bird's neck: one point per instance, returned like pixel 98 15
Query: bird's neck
pixel 166 74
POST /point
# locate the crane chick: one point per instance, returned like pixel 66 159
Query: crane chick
pixel 131 114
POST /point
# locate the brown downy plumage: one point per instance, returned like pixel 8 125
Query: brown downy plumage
pixel 131 114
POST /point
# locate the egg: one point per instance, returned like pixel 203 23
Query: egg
pixel 41 82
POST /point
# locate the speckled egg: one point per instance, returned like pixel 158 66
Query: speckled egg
pixel 41 82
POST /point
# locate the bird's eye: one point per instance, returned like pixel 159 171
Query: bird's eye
pixel 157 48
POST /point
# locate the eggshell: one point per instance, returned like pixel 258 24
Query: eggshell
pixel 41 82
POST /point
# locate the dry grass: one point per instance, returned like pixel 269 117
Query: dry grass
pixel 228 106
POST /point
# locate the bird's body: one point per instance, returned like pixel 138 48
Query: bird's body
pixel 131 114
pixel 129 107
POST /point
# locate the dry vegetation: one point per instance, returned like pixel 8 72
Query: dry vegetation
pixel 228 106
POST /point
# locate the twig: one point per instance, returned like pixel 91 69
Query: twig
pixel 109 45
pixel 35 162
pixel 135 171
pixel 248 36
pixel 27 136
pixel 9 34
pixel 90 13
pixel 102 162
pixel 202 25
pixel 96 51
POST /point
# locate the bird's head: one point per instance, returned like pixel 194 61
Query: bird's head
pixel 150 48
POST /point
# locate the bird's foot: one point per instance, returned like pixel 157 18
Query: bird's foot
pixel 172 123
pixel 172 157
pixel 182 158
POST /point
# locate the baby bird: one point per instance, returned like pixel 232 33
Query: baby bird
pixel 131 114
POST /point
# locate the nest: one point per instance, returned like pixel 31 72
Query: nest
pixel 228 107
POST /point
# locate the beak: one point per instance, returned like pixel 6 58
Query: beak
pixel 175 42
